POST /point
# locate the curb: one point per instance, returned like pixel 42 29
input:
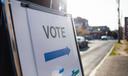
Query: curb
pixel 95 69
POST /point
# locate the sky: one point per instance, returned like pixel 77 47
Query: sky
pixel 98 12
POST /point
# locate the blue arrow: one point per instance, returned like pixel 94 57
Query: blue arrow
pixel 56 53
pixel 75 72
pixel 61 70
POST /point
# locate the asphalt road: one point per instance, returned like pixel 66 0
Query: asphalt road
pixel 92 56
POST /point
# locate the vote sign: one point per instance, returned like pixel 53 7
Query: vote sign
pixel 53 44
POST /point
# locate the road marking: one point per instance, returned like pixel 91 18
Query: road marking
pixel 94 71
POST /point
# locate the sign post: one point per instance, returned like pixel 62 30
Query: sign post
pixel 126 28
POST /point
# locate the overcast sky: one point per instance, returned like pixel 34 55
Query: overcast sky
pixel 98 12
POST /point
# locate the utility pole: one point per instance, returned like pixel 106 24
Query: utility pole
pixel 119 21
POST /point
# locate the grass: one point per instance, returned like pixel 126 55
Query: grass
pixel 113 53
pixel 114 50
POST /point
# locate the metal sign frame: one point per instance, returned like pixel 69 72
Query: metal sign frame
pixel 10 28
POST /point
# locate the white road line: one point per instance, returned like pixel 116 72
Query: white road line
pixel 94 71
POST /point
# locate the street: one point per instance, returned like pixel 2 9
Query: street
pixel 94 54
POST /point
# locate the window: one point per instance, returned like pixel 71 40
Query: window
pixel 59 5
pixel 45 3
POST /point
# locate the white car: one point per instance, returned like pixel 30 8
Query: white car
pixel 107 38
pixel 104 38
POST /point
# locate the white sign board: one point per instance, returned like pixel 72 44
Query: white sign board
pixel 46 43
pixel 53 44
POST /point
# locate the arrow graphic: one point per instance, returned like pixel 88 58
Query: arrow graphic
pixel 56 53
pixel 61 70
pixel 75 72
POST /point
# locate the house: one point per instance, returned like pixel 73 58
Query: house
pixel 98 31
pixel 82 26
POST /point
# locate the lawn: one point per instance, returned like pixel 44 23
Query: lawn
pixel 123 46
pixel 114 50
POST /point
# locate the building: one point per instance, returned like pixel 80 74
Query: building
pixel 103 29
pixel 89 32
pixel 97 31
pixel 82 26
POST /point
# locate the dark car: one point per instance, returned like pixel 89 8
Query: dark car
pixel 82 42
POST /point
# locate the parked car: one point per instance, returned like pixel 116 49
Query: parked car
pixel 82 42
pixel 104 38
pixel 107 38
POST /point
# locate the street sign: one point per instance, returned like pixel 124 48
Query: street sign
pixel 53 44
pixel 45 41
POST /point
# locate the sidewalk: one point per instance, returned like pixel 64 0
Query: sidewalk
pixel 116 65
